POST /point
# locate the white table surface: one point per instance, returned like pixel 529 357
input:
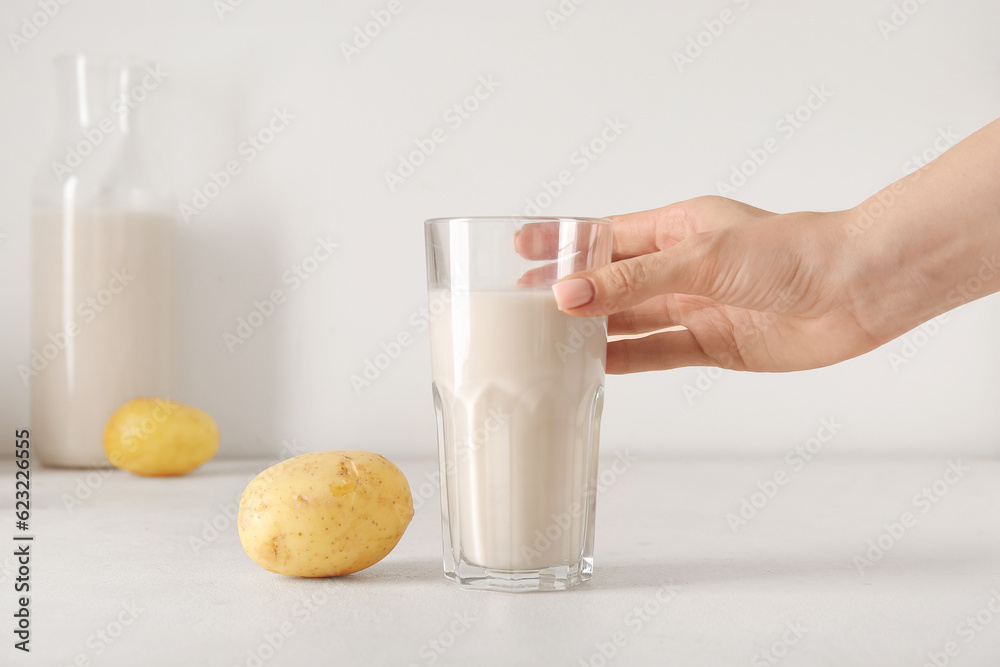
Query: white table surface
pixel 134 574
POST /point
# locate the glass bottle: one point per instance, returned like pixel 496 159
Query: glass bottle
pixel 103 276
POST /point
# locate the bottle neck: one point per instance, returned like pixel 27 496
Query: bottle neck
pixel 100 157
pixel 100 92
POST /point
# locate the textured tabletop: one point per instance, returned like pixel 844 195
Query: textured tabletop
pixel 698 562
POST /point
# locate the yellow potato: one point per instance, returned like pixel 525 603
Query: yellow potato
pixel 155 437
pixel 324 514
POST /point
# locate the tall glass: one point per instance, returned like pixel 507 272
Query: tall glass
pixel 518 390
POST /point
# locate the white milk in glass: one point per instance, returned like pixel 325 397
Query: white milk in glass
pixel 518 387
pixel 102 324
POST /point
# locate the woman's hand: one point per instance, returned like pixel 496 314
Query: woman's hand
pixel 758 291
pixel 753 290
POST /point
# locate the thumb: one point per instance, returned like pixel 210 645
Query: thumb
pixel 628 282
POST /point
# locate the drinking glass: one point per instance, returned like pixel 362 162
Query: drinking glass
pixel 518 389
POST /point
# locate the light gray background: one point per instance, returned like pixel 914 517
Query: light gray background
pixel 324 175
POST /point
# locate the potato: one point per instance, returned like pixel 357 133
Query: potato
pixel 155 437
pixel 324 514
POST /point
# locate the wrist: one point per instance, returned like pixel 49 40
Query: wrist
pixel 918 248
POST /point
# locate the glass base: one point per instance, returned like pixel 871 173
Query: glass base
pixel 557 578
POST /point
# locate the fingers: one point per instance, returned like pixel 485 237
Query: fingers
pixel 649 231
pixel 556 239
pixel 642 232
pixel 645 232
pixel 670 349
pixel 572 247
pixel 634 233
pixel 542 276
pixel 547 274
pixel 652 315
pixel 538 240
pixel 687 248
pixel 685 268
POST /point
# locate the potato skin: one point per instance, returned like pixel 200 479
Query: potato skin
pixel 324 514
pixel 155 437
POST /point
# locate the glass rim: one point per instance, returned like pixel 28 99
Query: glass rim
pixel 482 219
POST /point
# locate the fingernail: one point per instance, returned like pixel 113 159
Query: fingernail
pixel 573 293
